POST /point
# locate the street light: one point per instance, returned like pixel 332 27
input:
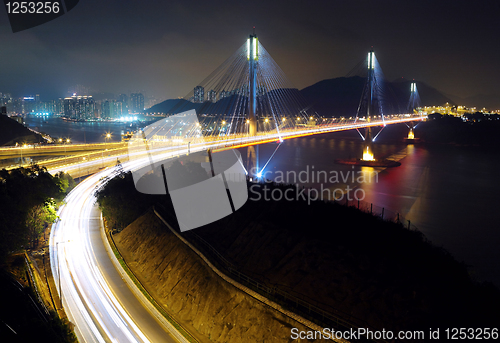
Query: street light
pixel 22 146
pixel 67 141
pixel 59 273
pixel 107 136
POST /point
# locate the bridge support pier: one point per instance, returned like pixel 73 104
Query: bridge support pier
pixel 368 151
pixel 411 135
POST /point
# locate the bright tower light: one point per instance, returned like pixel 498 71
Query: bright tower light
pixel 248 48
pixel 411 135
pixel 371 60
pixel 255 48
pixel 368 155
pixel 253 42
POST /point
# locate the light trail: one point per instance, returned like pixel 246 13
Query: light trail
pixel 96 298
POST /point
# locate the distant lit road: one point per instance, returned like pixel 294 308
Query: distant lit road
pixel 95 297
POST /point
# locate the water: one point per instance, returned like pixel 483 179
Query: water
pixel 449 193
pixel 77 132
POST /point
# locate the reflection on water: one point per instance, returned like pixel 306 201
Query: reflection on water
pixel 449 193
pixel 78 132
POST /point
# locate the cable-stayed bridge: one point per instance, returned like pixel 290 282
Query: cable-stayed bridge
pixel 246 101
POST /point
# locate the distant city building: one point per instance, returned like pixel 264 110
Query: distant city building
pixel 123 99
pixel 28 105
pixel 212 96
pixel 46 107
pixel 224 94
pixel 118 109
pixel 106 109
pixel 79 107
pixel 199 94
pixel 136 103
pixel 60 106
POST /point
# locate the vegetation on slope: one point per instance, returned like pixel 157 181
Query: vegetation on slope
pixel 28 198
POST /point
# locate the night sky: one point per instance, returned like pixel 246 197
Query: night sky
pixel 165 48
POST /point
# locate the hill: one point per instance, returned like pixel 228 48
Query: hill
pixel 332 97
pixel 11 132
pixel 490 101
pixel 340 96
pixel 372 272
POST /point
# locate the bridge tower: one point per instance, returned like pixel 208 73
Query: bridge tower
pixel 367 151
pixel 413 103
pixel 253 57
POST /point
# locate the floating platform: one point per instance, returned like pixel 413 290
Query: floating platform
pixel 360 162
pixel 412 141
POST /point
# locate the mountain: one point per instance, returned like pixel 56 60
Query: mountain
pixel 12 132
pixel 332 97
pixel 429 96
pixel 233 104
pixel 171 104
pixel 341 96
pixel 490 101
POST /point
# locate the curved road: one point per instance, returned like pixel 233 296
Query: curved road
pixel 96 298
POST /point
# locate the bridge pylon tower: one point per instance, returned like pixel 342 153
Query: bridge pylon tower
pixel 413 104
pixel 370 82
pixel 253 57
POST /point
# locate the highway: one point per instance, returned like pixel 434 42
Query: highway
pixel 95 297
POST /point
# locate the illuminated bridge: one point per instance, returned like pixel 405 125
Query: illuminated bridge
pixel 247 101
